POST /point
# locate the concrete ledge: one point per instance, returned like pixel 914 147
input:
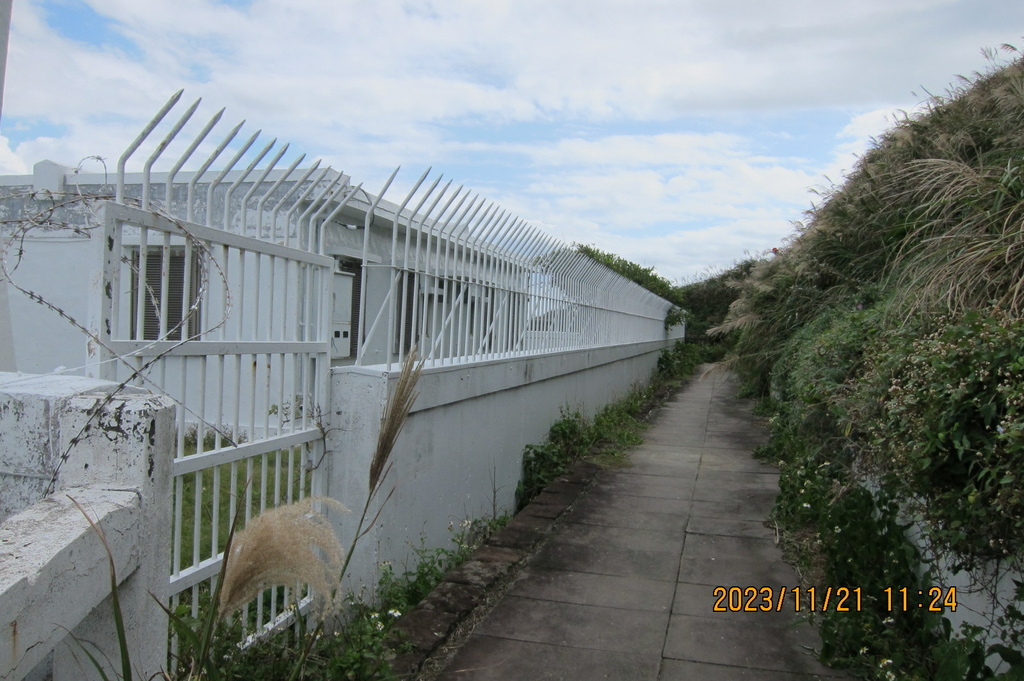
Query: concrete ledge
pixel 442 385
pixel 33 412
pixel 54 570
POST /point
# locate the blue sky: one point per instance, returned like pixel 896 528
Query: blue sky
pixel 681 134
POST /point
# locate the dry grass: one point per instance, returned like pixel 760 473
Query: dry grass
pixel 393 419
pixel 295 544
pixel 287 545
pixel 969 248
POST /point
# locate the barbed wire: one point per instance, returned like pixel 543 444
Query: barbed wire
pixel 12 247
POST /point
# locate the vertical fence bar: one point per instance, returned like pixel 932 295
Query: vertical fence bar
pixel 160 149
pixel 237 183
pixel 394 275
pixel 223 174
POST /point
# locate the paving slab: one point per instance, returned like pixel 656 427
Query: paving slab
pixel 684 439
pixel 682 474
pixel 734 561
pixel 760 500
pixel 643 482
pixel 681 670
pixel 762 646
pixel 487 658
pixel 623 586
pixel 618 516
pixel 728 526
pixel 608 560
pixel 643 539
pixel 583 588
pixel 616 630
pixel 754 507
pixel 727 460
pixel 700 600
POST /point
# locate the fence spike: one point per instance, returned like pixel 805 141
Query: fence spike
pixel 155 121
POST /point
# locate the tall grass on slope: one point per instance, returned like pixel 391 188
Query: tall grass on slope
pixel 968 250
pixel 775 299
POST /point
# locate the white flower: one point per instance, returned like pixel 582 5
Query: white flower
pixel 806 505
pixel 394 613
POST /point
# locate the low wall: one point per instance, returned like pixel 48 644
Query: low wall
pixel 460 454
pixel 54 574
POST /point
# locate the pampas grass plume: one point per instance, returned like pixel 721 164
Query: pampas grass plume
pixel 396 411
pixel 287 545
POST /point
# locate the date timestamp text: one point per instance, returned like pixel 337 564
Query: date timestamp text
pixel 820 599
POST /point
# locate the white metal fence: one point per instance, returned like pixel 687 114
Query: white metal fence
pixel 219 288
pixel 245 361
pixel 473 283
pixel 233 328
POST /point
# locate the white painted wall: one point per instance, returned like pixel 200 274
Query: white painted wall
pixel 59 268
pixel 460 454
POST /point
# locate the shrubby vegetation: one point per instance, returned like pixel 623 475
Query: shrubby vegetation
pixel 886 339
pixel 360 646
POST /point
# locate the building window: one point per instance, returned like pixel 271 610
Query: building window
pixel 155 306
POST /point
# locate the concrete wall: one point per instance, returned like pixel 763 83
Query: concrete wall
pixel 40 339
pixel 54 575
pixel 460 454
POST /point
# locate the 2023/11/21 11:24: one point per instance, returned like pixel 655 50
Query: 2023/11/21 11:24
pixel 818 599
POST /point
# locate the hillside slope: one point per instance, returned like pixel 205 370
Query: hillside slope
pixel 887 337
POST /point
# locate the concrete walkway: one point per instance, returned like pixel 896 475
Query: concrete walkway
pixel 624 586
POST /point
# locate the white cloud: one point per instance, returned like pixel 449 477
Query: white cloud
pixel 603 112
pixel 10 163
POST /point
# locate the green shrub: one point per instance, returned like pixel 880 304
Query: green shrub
pixel 949 431
pixel 865 546
pixel 681 360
